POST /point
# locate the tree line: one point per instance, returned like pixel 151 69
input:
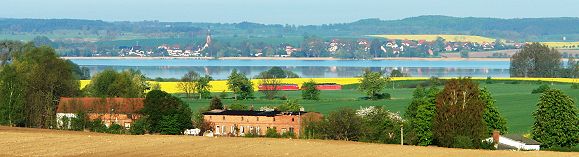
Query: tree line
pixel 460 115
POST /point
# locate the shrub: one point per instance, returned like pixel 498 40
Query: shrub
pixel 541 89
pixel 288 134
pixel 489 80
pixel 251 134
pixel 169 125
pixel 283 97
pixel 575 86
pixel 462 142
pixel 116 129
pixel 80 122
pixel 138 127
pixel 513 82
pixel 215 104
pixel 272 133
pixel 97 125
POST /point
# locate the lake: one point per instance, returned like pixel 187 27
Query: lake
pixel 220 69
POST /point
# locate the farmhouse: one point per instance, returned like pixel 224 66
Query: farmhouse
pixel 239 123
pixel 122 111
pixel 513 142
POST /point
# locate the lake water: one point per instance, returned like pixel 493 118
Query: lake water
pixel 220 69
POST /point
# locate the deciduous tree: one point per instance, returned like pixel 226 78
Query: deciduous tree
pixel 459 112
pixel 536 60
pixel 556 120
pixel 372 84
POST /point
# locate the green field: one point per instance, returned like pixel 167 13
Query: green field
pixel 515 101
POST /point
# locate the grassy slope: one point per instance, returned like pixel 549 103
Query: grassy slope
pixel 515 101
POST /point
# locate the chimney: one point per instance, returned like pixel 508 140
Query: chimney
pixel 496 135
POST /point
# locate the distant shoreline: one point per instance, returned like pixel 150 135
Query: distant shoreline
pixel 283 58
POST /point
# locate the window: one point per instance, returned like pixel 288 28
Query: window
pixel 292 119
pixel 283 130
pixel 274 119
pixel 241 118
pixel 223 117
pixel 210 117
pixel 257 118
pixel 291 129
pixel 127 125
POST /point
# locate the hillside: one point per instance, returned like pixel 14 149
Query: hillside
pixel 527 29
pixel 40 142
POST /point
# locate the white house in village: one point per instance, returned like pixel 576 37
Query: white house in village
pixel 513 142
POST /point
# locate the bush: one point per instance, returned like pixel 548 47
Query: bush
pixel 80 122
pixel 563 149
pixel 513 82
pixel 251 134
pixel 489 80
pixel 283 97
pixel 462 142
pixel 288 134
pixel 116 129
pixel 575 86
pixel 380 96
pixel 541 89
pixel 169 125
pixel 138 127
pixel 272 133
pixel 97 125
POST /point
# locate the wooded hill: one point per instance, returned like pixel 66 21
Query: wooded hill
pixel 527 29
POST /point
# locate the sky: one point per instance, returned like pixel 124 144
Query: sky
pixel 298 12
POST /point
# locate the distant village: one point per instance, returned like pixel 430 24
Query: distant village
pixel 337 48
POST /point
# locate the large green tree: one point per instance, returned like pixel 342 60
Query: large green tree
pixel 39 78
pixel 556 120
pixel 459 114
pixel 493 118
pixel 536 60
pixel 309 91
pixel 241 86
pixel 372 84
pixel 420 114
pixel 109 83
pixel 203 87
pixel 165 113
pixel 343 124
pixel 379 125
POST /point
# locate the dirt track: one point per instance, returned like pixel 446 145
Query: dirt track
pixel 37 142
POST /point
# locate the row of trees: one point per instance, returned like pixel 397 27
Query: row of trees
pixel 32 80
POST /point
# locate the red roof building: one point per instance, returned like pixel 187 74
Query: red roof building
pixel 122 111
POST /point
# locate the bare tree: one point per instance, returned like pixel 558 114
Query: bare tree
pixel 270 85
pixel 187 83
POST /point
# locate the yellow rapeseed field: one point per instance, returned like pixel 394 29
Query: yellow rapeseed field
pixel 221 85
pixel 562 44
pixel 451 38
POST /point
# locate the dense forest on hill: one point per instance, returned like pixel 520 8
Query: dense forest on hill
pixel 528 29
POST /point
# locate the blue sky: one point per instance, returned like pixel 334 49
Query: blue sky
pixel 281 11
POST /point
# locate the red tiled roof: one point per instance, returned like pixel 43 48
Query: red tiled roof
pixel 100 105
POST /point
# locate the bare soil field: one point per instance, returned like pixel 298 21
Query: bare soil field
pixel 40 142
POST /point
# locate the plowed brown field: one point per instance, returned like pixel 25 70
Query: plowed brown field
pixel 39 142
